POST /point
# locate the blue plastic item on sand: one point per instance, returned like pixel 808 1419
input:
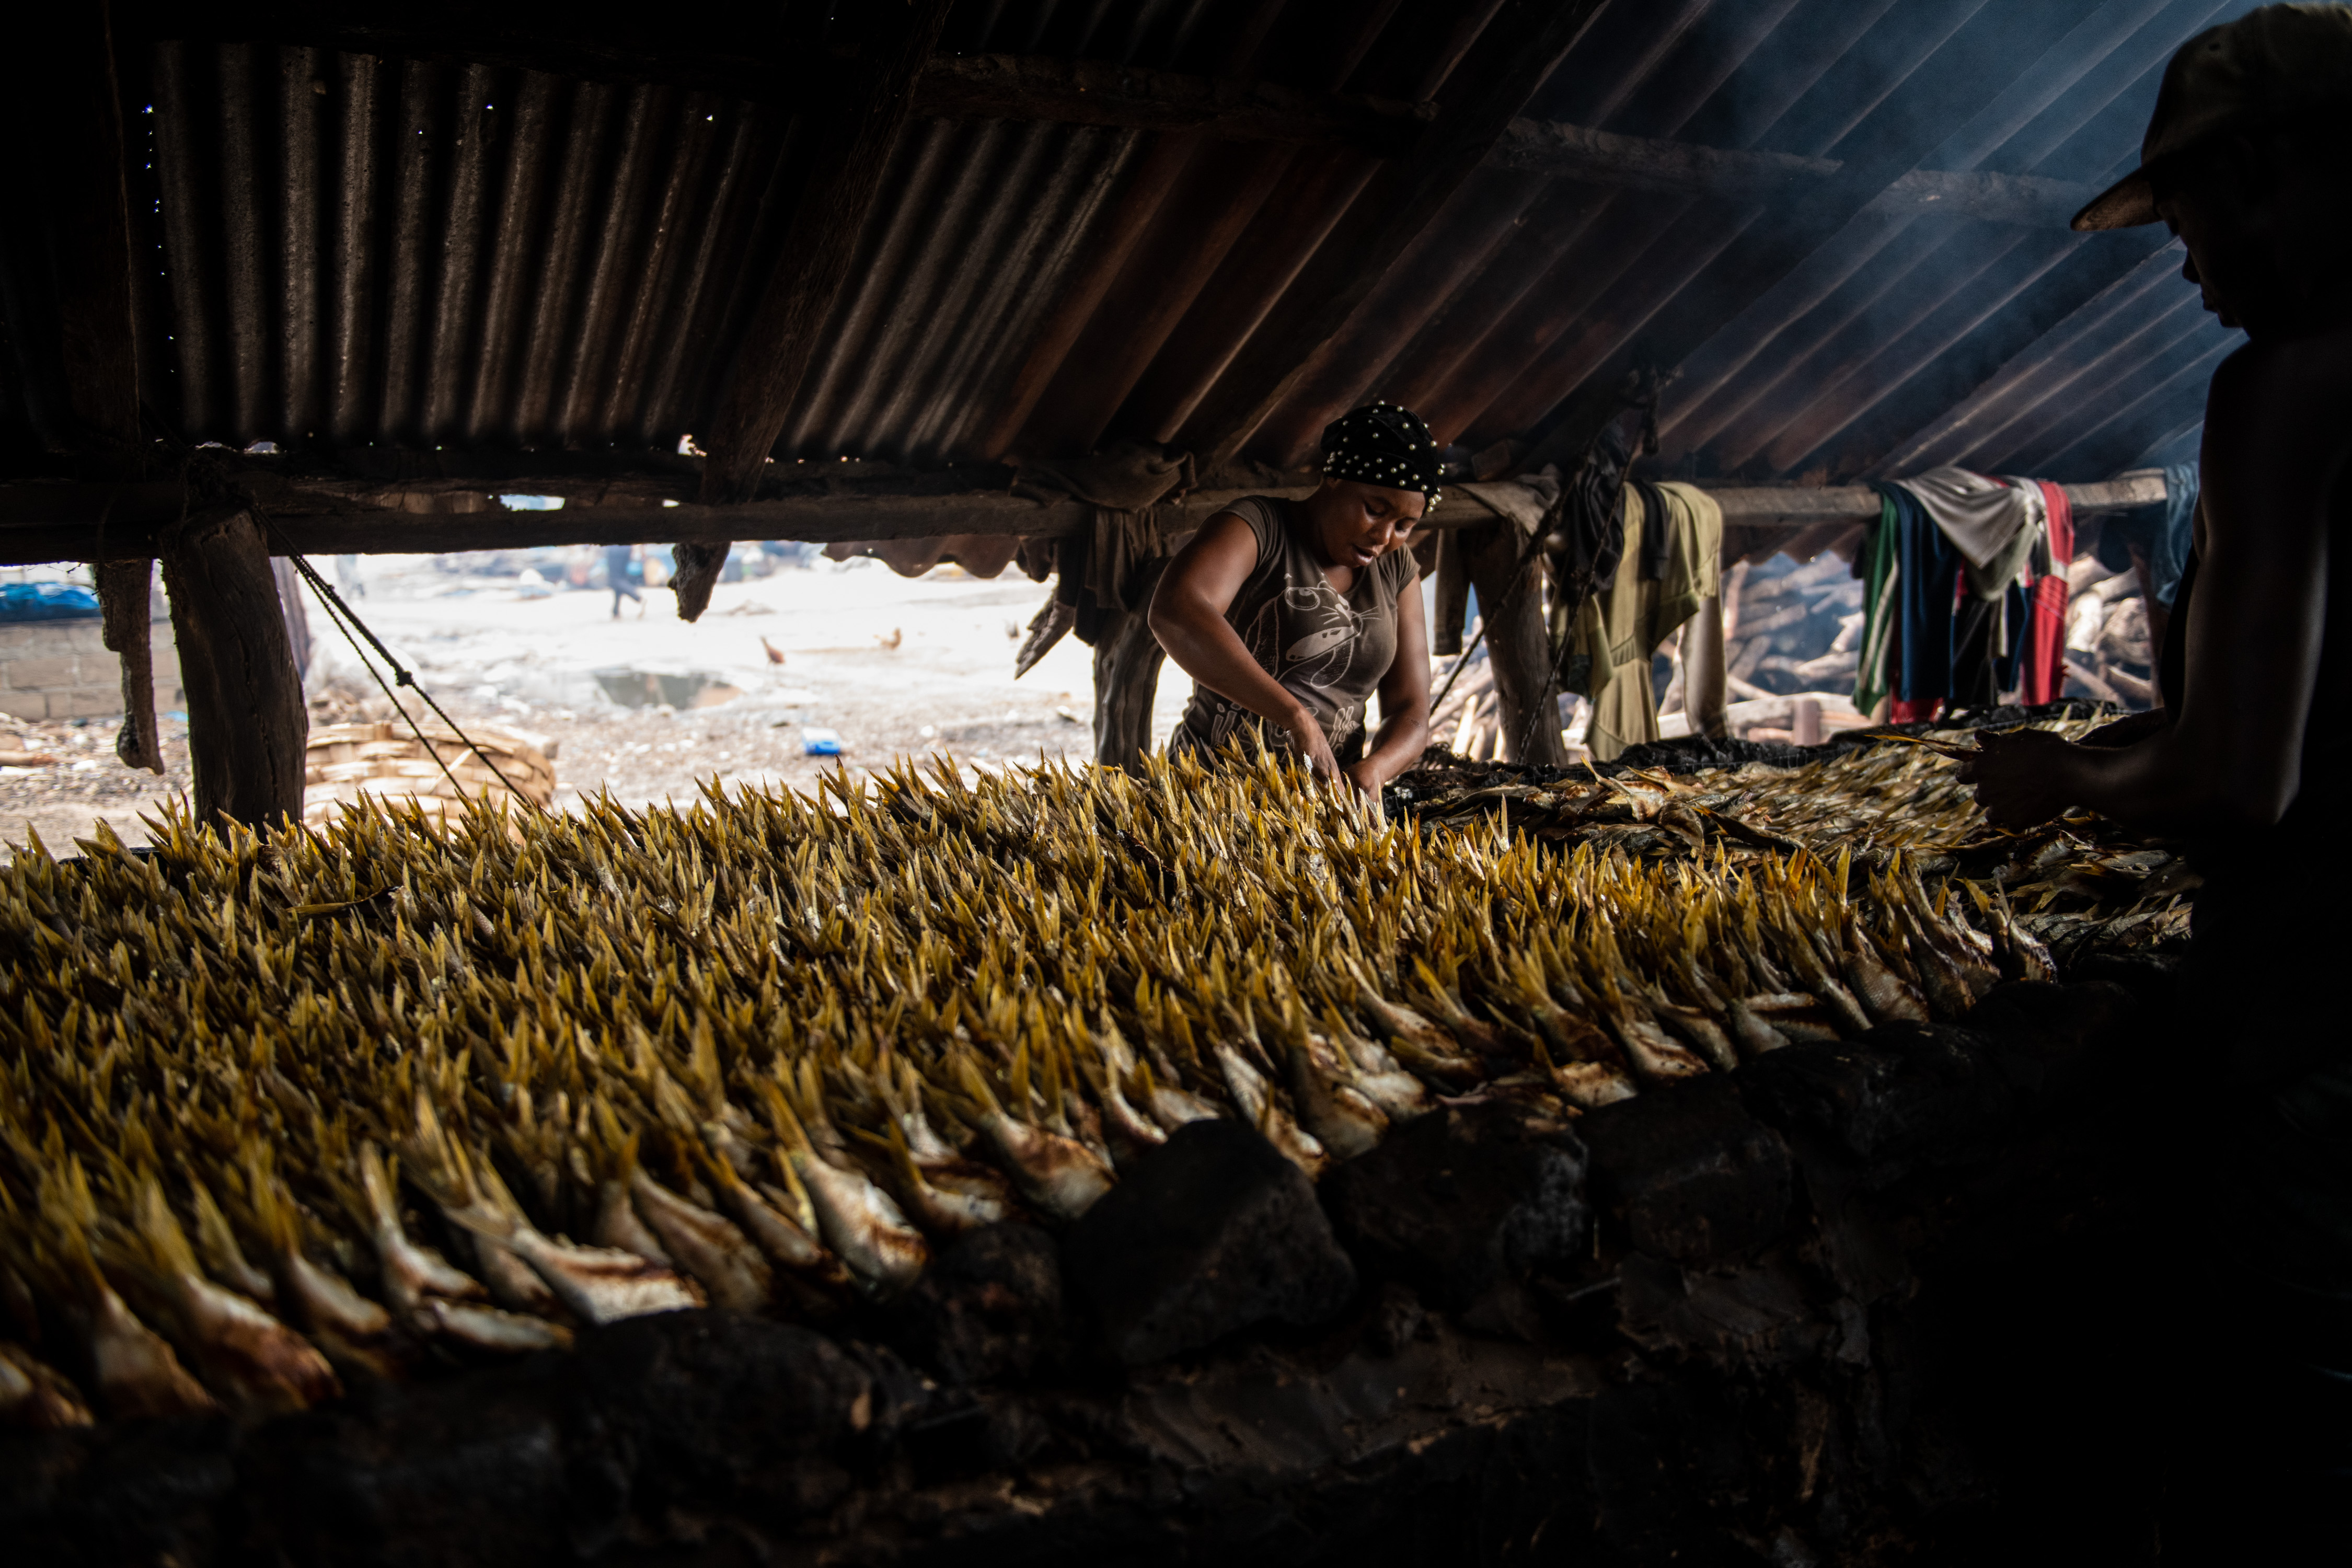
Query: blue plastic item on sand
pixel 47 601
pixel 817 742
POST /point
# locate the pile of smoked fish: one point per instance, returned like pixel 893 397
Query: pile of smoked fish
pixel 280 1113
pixel 2079 883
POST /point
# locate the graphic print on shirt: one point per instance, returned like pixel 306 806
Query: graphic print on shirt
pixel 1320 659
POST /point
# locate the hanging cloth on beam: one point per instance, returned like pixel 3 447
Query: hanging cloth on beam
pixel 1964 541
pixel 1102 575
pixel 2042 676
pixel 1926 566
pixel 2175 535
pixel 1695 566
pixel 1981 515
pixel 981 554
pixel 1878 564
pixel 1591 512
pixel 1655 542
pixel 1619 628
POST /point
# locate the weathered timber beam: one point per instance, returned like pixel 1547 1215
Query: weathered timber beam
pixel 1098 92
pixel 1090 92
pixel 43 522
pixel 139 515
pixel 853 150
pixel 1800 506
pixel 401 479
pixel 825 519
pixel 1511 58
pixel 1685 169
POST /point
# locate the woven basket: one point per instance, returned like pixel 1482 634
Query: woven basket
pixel 385 761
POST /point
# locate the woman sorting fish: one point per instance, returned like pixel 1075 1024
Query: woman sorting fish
pixel 1289 614
pixel 2250 760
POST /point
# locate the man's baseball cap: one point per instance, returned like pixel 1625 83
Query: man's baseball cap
pixel 2274 65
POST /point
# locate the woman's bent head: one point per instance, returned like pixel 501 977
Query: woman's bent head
pixel 1382 471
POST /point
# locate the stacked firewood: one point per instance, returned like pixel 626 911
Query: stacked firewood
pixel 1468 722
pixel 345 764
pixel 1790 629
pixel 2110 654
pixel 1791 633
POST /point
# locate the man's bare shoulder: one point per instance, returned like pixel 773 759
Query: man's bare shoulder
pixel 2312 363
pixel 2284 397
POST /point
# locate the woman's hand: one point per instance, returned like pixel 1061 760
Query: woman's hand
pixel 2022 776
pixel 1308 740
pixel 1366 776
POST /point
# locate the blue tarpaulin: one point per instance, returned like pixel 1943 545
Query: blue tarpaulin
pixel 47 601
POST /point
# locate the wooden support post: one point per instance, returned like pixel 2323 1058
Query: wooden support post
pixel 699 566
pixel 1127 680
pixel 1510 601
pixel 1452 597
pixel 246 723
pixel 129 630
pixel 1702 670
pixel 297 619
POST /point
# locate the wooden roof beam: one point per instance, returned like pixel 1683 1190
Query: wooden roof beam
pixel 1685 169
pixel 1023 88
pixel 46 523
pixel 1800 506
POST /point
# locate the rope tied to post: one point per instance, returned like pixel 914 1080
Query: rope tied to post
pixel 346 619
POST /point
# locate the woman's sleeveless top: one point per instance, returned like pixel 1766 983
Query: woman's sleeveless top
pixel 1328 649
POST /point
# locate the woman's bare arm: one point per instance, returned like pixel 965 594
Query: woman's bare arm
pixel 1187 617
pixel 2232 757
pixel 1404 698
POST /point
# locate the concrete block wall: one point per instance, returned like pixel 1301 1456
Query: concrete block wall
pixel 62 669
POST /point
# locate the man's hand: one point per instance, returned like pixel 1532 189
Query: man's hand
pixel 2020 777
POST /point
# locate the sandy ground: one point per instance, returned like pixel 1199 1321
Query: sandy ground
pixel 491 655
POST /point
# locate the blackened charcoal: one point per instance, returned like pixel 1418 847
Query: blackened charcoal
pixel 1898 1098
pixel 1692 1174
pixel 1461 1200
pixel 1210 1233
pixel 988 1309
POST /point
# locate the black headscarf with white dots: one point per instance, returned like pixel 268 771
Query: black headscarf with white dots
pixel 1380 444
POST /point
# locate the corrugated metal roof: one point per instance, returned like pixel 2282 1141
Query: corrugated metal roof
pixel 349 249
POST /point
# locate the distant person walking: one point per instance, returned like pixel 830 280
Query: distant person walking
pixel 617 576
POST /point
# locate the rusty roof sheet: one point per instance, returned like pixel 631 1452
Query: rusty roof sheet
pixel 349 249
